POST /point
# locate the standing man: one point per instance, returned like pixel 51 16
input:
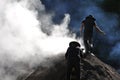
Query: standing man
pixel 73 55
pixel 87 25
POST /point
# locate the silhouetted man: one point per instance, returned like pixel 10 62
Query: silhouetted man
pixel 73 55
pixel 87 25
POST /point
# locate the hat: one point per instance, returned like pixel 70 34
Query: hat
pixel 74 44
pixel 90 17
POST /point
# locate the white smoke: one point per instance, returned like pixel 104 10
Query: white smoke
pixel 24 39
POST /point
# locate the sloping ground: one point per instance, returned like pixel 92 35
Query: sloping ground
pixel 91 69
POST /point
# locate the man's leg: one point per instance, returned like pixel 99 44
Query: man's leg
pixel 86 46
pixel 77 69
pixel 90 45
pixel 69 70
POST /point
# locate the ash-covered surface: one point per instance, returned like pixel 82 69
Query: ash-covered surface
pixel 91 69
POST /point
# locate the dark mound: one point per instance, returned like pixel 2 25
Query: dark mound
pixel 91 69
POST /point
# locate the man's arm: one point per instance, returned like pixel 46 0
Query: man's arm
pixel 81 53
pixel 98 29
pixel 81 28
pixel 66 54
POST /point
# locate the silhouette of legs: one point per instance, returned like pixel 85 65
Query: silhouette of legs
pixel 70 66
pixel 88 45
pixel 77 69
pixel 69 70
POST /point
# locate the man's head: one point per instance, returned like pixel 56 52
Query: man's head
pixel 74 44
pixel 90 17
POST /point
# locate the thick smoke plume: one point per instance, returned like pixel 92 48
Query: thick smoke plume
pixel 28 36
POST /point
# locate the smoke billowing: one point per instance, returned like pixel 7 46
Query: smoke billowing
pixel 28 36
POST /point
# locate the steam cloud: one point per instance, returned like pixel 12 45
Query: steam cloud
pixel 28 36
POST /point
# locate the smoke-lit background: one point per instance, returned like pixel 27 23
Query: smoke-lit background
pixel 107 17
pixel 33 30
